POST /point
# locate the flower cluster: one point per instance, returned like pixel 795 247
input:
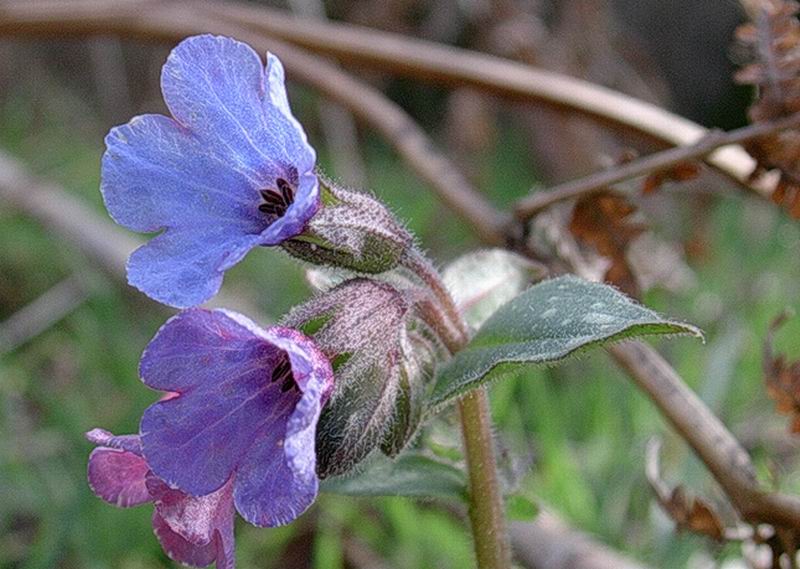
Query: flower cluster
pixel 236 429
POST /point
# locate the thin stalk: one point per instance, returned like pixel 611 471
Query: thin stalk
pixel 419 264
pixel 486 512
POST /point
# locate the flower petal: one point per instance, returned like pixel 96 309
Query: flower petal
pixel 130 443
pixel 118 477
pixel 178 269
pixel 222 371
pixel 157 174
pixel 179 549
pixel 216 87
pixel 277 481
pixel 196 519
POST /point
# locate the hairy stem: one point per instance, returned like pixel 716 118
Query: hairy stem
pixel 415 261
pixel 486 512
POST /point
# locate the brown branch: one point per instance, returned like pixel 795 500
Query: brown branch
pixel 529 206
pixel 719 450
pixel 42 313
pixel 172 21
pixel 548 543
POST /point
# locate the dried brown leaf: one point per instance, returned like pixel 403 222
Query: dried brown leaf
pixel 681 172
pixel 689 513
pixel 605 222
pixel 782 378
pixel 774 39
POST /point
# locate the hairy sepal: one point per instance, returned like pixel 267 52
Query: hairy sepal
pixel 353 231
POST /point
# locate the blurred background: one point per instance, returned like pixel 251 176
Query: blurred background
pixel 71 332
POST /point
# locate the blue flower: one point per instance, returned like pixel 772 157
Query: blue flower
pixel 242 408
pixel 229 170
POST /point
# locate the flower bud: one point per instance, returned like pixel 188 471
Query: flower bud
pixel 361 326
pixel 351 230
pixel 415 374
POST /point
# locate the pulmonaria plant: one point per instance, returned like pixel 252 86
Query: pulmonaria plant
pixel 251 418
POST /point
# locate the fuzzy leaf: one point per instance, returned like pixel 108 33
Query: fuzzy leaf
pixel 545 324
pixel 483 281
pixel 412 475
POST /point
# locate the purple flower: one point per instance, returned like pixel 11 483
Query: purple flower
pixel 231 169
pixel 196 531
pixel 243 413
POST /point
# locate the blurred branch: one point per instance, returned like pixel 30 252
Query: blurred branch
pixel 42 313
pixel 431 61
pixel 529 206
pixel 66 216
pixel 173 21
pixel 548 543
pixel 338 125
pixel 719 450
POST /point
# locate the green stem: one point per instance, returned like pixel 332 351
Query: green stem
pixel 486 511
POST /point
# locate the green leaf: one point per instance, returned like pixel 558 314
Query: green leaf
pixel 412 475
pixel 520 508
pixel 545 324
pixel 483 281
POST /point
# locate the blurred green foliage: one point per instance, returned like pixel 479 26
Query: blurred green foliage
pixel 584 425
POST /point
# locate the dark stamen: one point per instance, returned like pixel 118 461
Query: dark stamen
pixel 276 202
pixel 273 197
pixel 282 371
pixel 286 191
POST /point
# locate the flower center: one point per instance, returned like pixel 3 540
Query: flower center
pixel 283 372
pixel 277 201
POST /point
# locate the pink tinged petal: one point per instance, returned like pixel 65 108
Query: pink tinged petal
pixel 226 550
pixel 101 437
pixel 194 518
pixel 179 549
pixel 118 477
pixel 194 530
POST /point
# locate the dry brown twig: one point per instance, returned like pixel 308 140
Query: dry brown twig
pixel 430 61
pixel 527 207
